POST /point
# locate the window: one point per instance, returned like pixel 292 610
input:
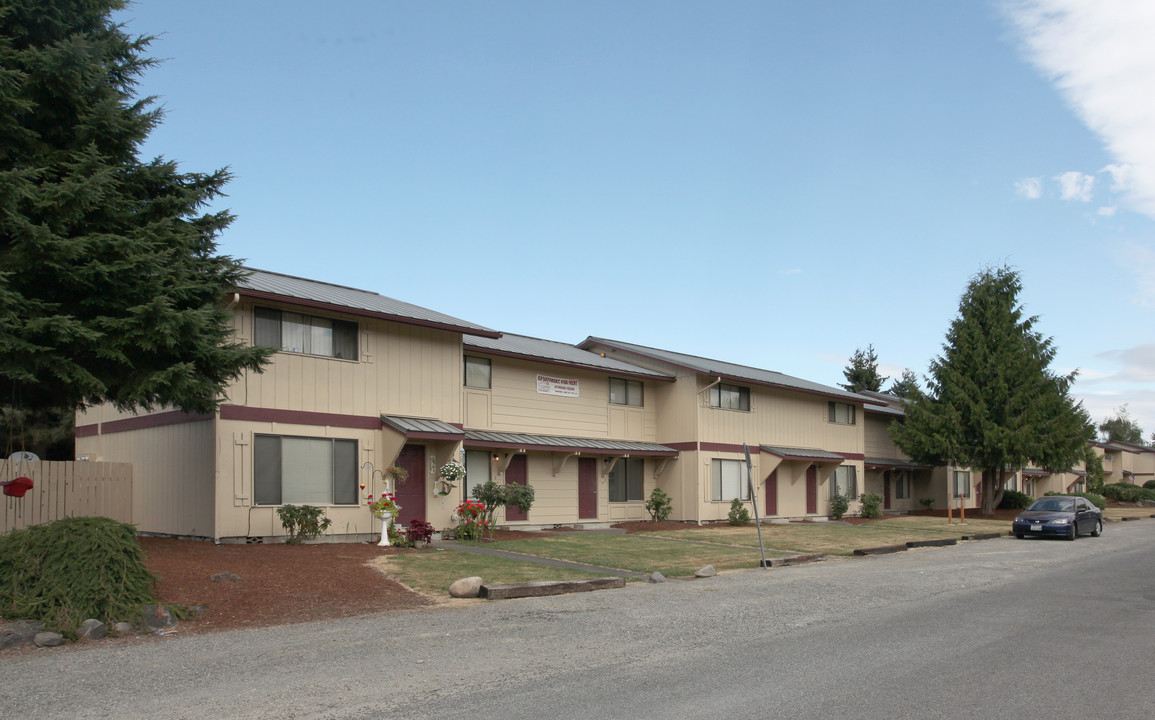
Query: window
pixel 845 481
pixel 902 485
pixel 625 392
pixel 626 480
pixel 962 483
pixel 1013 482
pixel 730 397
pixel 478 466
pixel 728 480
pixel 297 333
pixel 304 471
pixel 478 372
pixel 841 413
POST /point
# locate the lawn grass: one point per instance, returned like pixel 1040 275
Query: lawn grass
pixel 1117 513
pixel 839 539
pixel 640 553
pixel 433 571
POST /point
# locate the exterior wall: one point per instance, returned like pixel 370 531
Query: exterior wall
pixel 514 404
pixel 172 471
pixel 403 370
pixel 876 438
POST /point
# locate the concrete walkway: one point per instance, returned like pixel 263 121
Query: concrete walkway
pixel 534 559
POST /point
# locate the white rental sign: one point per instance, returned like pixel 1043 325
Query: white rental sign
pixel 547 385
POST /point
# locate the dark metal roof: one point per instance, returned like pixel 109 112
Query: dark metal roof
pixel 557 353
pixel 313 293
pixel 894 463
pixel 1035 472
pixel 423 428
pixel 883 410
pixel 787 453
pixel 551 443
pixel 716 368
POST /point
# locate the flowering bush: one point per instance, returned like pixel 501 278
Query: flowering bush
pixel 471 522
pixel 387 503
pixel 452 472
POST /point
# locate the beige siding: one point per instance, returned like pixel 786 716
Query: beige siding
pixel 172 470
pixel 514 404
pixel 876 436
pixel 404 370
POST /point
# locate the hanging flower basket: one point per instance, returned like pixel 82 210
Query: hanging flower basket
pixel 397 474
pixel 452 472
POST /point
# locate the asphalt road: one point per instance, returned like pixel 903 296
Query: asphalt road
pixel 1027 629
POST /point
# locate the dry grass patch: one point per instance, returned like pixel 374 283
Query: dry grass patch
pixel 1118 513
pixel 839 539
pixel 643 553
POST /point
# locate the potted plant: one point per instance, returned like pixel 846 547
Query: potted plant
pixel 386 508
pixel 450 474
pixel 397 474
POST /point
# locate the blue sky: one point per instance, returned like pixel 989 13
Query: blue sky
pixel 768 183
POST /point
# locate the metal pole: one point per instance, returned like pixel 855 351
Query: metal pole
pixel 754 501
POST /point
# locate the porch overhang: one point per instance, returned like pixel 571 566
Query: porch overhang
pixel 893 464
pixel 423 428
pixel 818 457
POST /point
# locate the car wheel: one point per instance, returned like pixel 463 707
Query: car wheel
pixel 1098 529
pixel 1074 532
pixel 1019 536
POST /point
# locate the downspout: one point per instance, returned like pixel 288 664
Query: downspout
pixel 697 450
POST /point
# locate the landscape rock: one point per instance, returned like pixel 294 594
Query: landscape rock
pixel 19 633
pixel 1149 503
pixel 706 572
pixel 48 639
pixel 157 616
pixel 222 576
pixel 469 587
pixel 656 577
pixel 91 629
pixel 123 628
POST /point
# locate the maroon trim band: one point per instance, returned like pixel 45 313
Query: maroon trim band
pixel 299 417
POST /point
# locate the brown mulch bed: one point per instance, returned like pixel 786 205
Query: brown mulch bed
pixel 278 584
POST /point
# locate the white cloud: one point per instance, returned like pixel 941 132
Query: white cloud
pixel 1031 188
pixel 1101 57
pixel 1122 176
pixel 1107 210
pixel 1075 185
pixel 791 271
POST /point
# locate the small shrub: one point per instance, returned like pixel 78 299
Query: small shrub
pixel 1123 492
pixel 62 573
pixel 1097 500
pixel 1015 500
pixel 927 503
pixel 303 522
pixel 494 496
pixel 738 515
pixel 471 520
pixel 1150 484
pixel 420 531
pixel 871 505
pixel 659 505
pixel 839 504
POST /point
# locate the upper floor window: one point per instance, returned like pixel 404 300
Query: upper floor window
pixel 478 372
pixel 730 397
pixel 294 332
pixel 625 392
pixel 841 413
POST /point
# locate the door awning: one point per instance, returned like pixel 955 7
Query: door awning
pixel 422 428
pixel 553 443
pixel 803 454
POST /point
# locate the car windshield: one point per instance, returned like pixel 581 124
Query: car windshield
pixel 1054 505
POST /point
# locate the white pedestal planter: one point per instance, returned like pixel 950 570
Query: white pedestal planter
pixel 386 519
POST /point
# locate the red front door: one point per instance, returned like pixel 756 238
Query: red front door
pixel 411 493
pixel 587 489
pixel 886 491
pixel 515 473
pixel 811 490
pixel 772 494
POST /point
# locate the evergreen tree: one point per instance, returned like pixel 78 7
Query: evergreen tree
pixel 992 403
pixel 862 371
pixel 1122 427
pixel 110 285
pixel 906 386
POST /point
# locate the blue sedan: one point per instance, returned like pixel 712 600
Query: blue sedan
pixel 1059 516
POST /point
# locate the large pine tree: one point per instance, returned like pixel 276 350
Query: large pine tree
pixel 992 403
pixel 111 288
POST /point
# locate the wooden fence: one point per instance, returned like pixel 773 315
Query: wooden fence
pixel 66 489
